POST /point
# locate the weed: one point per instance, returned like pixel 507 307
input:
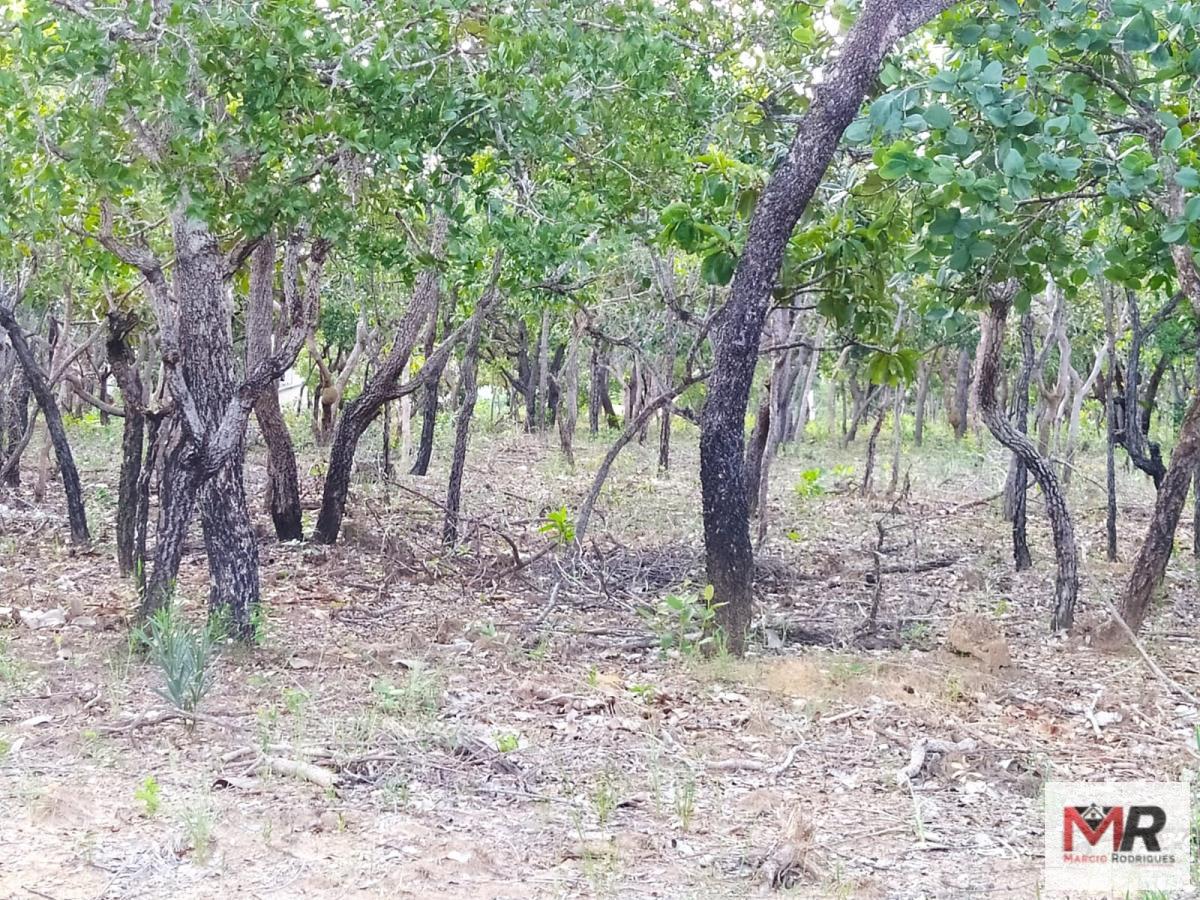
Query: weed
pixel 184 653
pixel 809 484
pixel 644 692
pixel 396 793
pixel 685 802
pixel 260 621
pixel 559 525
pixel 687 622
pixel 1000 610
pixel 198 822
pixel 916 633
pixel 418 696
pixel 508 742
pixel 295 700
pixel 604 798
pixel 149 795
pixel 845 671
pixel 5 747
pixel 12 673
pixel 953 689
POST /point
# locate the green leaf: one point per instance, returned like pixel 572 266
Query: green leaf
pixel 858 131
pixel 1174 233
pixel 1173 139
pixel 717 268
pixel 1188 177
pixel 944 221
pixel 1038 58
pixel 1191 212
pixel 1014 163
pixel 937 116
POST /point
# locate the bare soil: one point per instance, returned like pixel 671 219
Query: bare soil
pixel 499 733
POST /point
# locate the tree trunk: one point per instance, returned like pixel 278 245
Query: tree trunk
pixel 1021 557
pixel 360 412
pixel 756 449
pixel 429 402
pixel 462 422
pixel 989 358
pixel 595 386
pixel 543 372
pixel 897 439
pixel 568 399
pixel 869 469
pixel 44 394
pixel 835 103
pixel 926 366
pixel 17 421
pixel 1110 425
pixel 962 392
pixel 125 371
pixel 283 481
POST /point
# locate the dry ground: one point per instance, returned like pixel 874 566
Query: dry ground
pixel 492 736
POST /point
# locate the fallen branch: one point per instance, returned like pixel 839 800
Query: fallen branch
pixel 921 749
pixel 278 765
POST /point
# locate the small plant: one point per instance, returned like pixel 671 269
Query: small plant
pixel 685 802
pixel 198 824
pixel 686 621
pixel 184 653
pixel 395 793
pixel 809 484
pixel 953 689
pixel 149 795
pixel 418 696
pixel 294 700
pixel 1000 610
pixel 846 670
pixel 794 536
pixel 558 524
pixel 604 798
pixel 260 621
pixel 508 742
pixel 644 692
pixel 916 633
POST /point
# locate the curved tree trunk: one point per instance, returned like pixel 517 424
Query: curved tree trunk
pixel 44 394
pixel 991 344
pixel 283 482
pixel 729 556
pixel 360 412
pixel 962 394
pixel 1021 557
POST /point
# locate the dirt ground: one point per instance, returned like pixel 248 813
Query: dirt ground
pixel 493 733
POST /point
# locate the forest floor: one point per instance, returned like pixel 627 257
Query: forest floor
pixel 492 735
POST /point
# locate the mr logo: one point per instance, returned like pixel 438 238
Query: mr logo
pixel 1142 823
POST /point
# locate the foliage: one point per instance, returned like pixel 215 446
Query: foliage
pixel 809 484
pixel 149 795
pixel 184 653
pixel 417 696
pixel 686 622
pixel 559 525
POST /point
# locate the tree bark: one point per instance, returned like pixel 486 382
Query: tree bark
pixel 568 399
pixel 124 369
pixel 44 394
pixel 429 402
pixel 1022 559
pixel 462 422
pixel 962 388
pixel 729 556
pixel 16 423
pixel 360 412
pixel 543 373
pixel 283 481
pixel 926 366
pixel 991 345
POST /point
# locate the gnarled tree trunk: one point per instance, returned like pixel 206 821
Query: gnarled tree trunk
pixel 991 344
